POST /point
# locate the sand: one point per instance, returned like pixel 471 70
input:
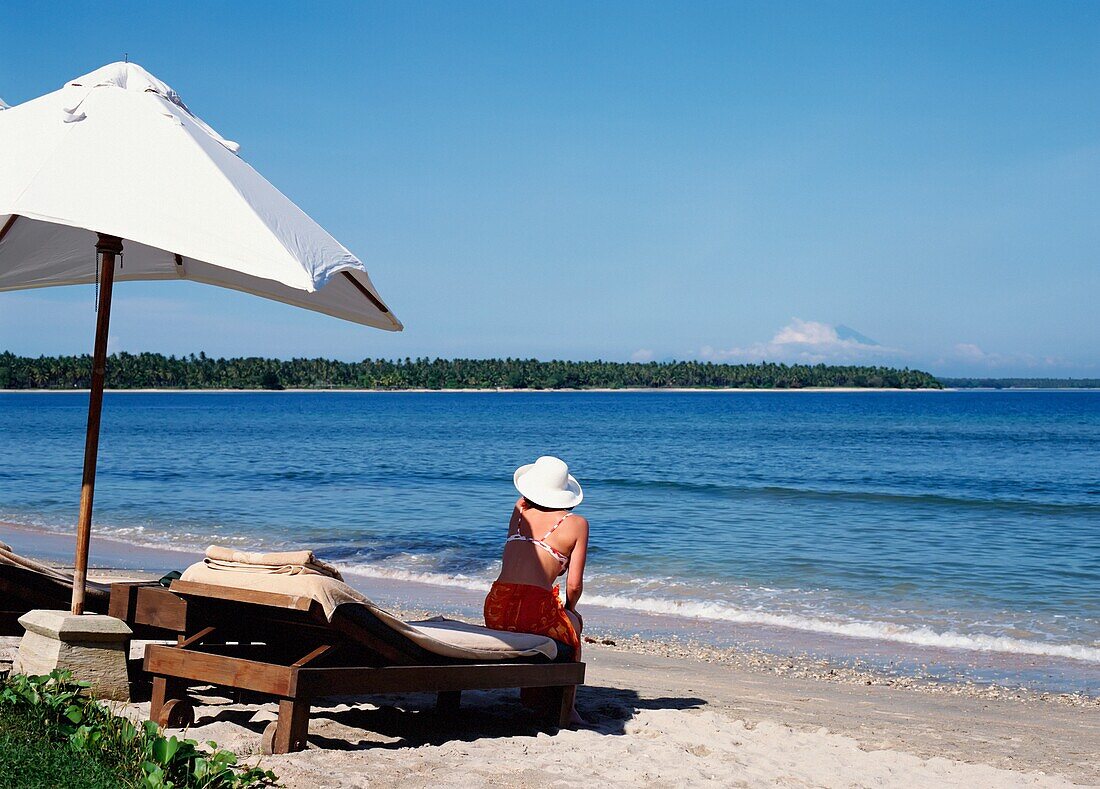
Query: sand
pixel 679 722
pixel 673 715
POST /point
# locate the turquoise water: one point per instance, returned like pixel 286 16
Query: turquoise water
pixel 957 520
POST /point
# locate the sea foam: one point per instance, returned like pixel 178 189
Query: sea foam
pixel 923 636
pixel 722 612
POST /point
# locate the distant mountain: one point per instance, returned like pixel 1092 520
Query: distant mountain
pixel 848 333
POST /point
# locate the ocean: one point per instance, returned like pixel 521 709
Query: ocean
pixel 964 524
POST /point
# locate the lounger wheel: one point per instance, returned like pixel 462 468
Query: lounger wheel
pixel 270 745
pixel 267 742
pixel 177 714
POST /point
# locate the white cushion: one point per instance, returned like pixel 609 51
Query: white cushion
pixel 463 635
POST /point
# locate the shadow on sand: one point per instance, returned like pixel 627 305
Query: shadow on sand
pixel 410 720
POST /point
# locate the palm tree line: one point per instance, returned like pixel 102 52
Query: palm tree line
pixel 157 371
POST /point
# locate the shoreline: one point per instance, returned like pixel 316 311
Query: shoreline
pixel 593 390
pixel 661 712
pixel 770 650
pixel 674 714
pixel 489 390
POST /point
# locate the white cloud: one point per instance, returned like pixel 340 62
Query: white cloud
pixel 642 355
pixel 807 342
pixel 970 352
pixel 799 332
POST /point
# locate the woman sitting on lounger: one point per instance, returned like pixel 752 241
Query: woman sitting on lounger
pixel 545 540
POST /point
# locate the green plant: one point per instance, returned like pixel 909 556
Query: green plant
pixel 31 758
pixel 62 711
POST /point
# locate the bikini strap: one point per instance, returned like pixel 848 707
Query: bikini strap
pixel 554 528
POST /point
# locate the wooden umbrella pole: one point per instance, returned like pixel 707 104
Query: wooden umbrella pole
pixel 108 247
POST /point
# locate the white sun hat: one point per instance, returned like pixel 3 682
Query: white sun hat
pixel 548 483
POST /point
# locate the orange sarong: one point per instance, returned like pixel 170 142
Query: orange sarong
pixel 524 608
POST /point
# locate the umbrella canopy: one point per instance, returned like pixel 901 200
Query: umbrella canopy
pixel 113 168
pixel 117 152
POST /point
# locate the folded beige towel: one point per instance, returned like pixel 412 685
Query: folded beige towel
pixel 247 557
pixel 294 580
pixel 280 563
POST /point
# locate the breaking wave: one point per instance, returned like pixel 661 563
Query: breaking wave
pixel 723 612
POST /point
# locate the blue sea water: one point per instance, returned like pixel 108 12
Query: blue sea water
pixel 938 519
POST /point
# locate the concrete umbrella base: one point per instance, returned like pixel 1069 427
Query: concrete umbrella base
pixel 92 646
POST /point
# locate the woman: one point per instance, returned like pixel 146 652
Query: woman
pixel 545 540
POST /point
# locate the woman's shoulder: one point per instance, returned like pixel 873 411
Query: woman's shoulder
pixel 577 521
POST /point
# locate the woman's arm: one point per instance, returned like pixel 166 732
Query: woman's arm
pixel 574 585
pixel 517 513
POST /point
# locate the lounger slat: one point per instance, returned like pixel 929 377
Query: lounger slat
pixel 357 631
pixel 148 604
pixel 238 595
pixel 209 669
pixel 314 683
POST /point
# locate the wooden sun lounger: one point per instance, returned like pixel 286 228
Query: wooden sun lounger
pixel 283 647
pixel 22 590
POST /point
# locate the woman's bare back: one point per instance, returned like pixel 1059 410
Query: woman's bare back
pixel 525 561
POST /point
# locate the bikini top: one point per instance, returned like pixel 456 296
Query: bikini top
pixel 563 560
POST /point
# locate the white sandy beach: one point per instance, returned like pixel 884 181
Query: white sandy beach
pixel 683 718
pixel 677 722
pixel 680 722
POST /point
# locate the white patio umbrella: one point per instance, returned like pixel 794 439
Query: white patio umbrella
pixel 113 167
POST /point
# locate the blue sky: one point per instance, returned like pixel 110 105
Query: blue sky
pixel 632 180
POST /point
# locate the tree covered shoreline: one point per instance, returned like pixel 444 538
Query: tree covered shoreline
pixel 1021 383
pixel 156 371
